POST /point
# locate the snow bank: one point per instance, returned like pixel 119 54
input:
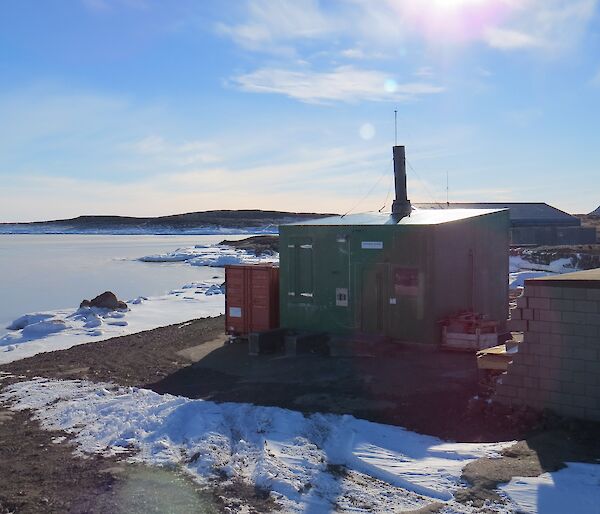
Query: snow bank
pixel 575 488
pixel 215 255
pixel 316 463
pixel 57 330
pixel 562 265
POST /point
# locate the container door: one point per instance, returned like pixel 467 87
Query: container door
pixel 235 300
pixel 260 299
pixel 373 307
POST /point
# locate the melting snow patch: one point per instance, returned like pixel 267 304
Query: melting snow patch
pixel 315 463
pixel 48 331
pixel 575 489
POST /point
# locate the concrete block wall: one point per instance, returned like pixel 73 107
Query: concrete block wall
pixel 557 365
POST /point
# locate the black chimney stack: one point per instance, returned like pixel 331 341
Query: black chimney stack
pixel 401 206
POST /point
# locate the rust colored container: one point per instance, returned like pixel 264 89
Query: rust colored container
pixel 251 298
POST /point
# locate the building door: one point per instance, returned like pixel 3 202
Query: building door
pixel 373 301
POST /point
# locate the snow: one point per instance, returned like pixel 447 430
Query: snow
pixel 516 280
pixel 562 265
pixel 60 329
pixel 212 255
pixel 575 488
pixel 316 463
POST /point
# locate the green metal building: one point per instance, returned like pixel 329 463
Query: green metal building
pixel 394 275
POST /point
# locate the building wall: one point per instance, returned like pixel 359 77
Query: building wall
pixel 557 366
pixel 552 235
pixel 471 267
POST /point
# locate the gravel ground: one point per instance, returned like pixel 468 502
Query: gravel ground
pixel 429 392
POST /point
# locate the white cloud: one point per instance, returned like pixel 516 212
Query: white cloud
pixel 269 23
pixel 344 83
pixel 386 25
pixel 504 39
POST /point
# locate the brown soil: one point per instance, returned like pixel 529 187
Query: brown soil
pixel 429 392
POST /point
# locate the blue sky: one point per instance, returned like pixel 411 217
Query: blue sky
pixel 141 107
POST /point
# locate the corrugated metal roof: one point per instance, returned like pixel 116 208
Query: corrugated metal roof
pixel 520 213
pixel 417 217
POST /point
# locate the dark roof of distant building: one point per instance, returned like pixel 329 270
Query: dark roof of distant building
pixel 521 214
pixel 417 217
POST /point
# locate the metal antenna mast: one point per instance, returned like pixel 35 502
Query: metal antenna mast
pixel 447 191
pixel 395 128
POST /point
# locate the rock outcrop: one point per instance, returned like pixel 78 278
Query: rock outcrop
pixel 107 300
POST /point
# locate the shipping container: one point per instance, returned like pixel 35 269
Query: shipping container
pixel 251 298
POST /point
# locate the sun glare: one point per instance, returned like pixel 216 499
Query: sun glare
pixel 452 20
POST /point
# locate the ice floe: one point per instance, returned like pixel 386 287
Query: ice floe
pixel 60 329
pixel 211 255
pixel 316 463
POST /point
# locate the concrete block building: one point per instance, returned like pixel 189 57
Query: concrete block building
pixel 557 366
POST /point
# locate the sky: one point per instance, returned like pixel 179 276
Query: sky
pixel 147 107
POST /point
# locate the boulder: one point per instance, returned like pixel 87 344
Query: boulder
pixel 107 300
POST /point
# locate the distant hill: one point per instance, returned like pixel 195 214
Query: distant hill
pixel 595 213
pixel 206 222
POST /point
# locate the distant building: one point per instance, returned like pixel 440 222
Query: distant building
pixel 532 224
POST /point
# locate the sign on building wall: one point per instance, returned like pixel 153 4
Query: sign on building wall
pixel 406 281
pixel 371 245
pixel 341 297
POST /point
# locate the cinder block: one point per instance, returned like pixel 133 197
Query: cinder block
pixel 555 292
pixel 586 330
pixel 522 302
pixel 550 384
pixel 570 410
pixel 527 314
pixel 585 306
pixel 593 294
pixel 592 367
pixel 592 319
pixel 531 337
pixel 543 315
pixel 517 325
pixel 543 327
pixel 531 382
pixel 573 340
pixel 539 303
pixel 573 317
pixel 586 354
pixel 571 388
pixel 583 401
pixel 592 392
pixel 561 305
pixel 574 293
pixel 531 291
pixel 561 398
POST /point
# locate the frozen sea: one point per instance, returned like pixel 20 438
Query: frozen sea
pixel 45 272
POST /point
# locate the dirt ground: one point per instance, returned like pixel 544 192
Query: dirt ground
pixel 429 392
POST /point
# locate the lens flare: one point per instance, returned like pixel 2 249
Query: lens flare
pixel 367 131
